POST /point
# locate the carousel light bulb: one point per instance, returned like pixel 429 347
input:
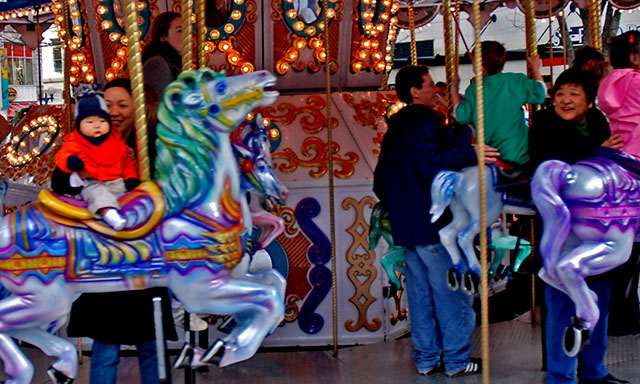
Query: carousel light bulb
pixel 266 122
pixel 20 13
pixel 274 133
pixel 102 9
pixel 141 6
pixel 249 116
pixel 75 14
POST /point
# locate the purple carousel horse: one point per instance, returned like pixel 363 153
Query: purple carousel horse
pixel 590 214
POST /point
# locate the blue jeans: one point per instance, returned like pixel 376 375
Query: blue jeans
pixel 561 369
pixel 106 357
pixel 441 320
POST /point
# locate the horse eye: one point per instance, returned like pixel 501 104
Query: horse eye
pixel 221 88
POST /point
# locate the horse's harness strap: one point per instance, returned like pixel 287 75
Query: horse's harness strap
pixel 619 212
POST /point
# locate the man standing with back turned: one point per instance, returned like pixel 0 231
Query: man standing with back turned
pixel 415 148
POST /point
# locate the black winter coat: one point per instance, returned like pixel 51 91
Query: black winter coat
pixel 415 148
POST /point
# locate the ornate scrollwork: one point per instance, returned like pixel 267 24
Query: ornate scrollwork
pixel 286 113
pixel 361 265
pixel 317 150
pixel 369 113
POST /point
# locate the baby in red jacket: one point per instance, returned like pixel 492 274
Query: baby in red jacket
pixel 99 156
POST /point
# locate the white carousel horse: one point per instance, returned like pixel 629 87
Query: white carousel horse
pixel 186 231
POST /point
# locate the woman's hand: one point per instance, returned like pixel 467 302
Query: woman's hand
pixel 614 141
pixel 490 154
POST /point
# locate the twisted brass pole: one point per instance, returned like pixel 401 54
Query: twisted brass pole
pixel 456 16
pixel 187 47
pixel 332 214
pixel 594 24
pixel 67 73
pixel 450 62
pixel 484 274
pixel 412 32
pixel 201 31
pixel 530 28
pixel 137 87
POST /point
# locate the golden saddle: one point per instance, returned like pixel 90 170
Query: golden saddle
pixel 74 213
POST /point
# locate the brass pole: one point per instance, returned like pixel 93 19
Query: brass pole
pixel 484 277
pixel 187 47
pixel 137 87
pixel 450 62
pixel 412 32
pixel 332 214
pixel 201 31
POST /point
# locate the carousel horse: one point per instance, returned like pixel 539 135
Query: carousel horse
pixel 185 231
pixel 393 261
pixel 460 192
pixel 500 244
pixel 590 215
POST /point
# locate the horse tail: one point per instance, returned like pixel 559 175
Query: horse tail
pixel 556 218
pixel 442 189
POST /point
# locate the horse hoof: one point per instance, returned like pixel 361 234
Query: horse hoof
pixel 389 291
pixel 453 279
pixel 227 325
pixel 58 377
pixel 469 283
pixel 185 357
pixel 214 354
pixel 575 338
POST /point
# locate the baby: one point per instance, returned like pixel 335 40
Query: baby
pixel 99 157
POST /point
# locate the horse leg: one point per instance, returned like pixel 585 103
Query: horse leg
pixel 65 368
pixel 586 260
pixel 448 234
pixel 15 362
pixel 257 309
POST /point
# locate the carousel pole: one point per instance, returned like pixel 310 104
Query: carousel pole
pixel 187 47
pixel 530 29
pixel 484 275
pixel 39 50
pixel 564 39
pixel 532 51
pixel 550 41
pixel 412 32
pixel 449 53
pixel 137 87
pixel 332 214
pixel 201 9
pixel 456 39
pixel 595 8
pixel 67 84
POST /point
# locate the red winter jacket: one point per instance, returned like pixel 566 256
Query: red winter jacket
pixel 107 161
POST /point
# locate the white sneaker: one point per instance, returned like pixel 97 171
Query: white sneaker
pixel 114 219
pixel 195 322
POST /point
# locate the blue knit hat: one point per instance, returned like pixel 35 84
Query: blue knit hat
pixel 91 105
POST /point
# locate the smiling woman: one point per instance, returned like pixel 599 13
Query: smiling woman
pixel 573 128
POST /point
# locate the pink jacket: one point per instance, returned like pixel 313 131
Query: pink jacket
pixel 619 99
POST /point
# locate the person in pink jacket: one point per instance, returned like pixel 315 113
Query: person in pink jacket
pixel 619 92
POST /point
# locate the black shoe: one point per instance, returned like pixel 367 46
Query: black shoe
pixel 609 379
pixel 473 366
pixel 438 368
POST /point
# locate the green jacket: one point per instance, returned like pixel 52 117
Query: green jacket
pixel 504 125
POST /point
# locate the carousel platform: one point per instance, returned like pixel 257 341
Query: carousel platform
pixel 515 358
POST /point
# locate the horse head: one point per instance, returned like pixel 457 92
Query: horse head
pixel 253 152
pixel 222 102
pixel 195 111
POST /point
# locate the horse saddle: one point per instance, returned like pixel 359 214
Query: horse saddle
pixel 143 208
pixel 514 185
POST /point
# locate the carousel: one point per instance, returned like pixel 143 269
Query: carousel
pixel 282 101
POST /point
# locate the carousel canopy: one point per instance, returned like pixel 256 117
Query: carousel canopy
pixel 10 5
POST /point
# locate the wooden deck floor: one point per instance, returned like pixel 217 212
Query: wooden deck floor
pixel 515 358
